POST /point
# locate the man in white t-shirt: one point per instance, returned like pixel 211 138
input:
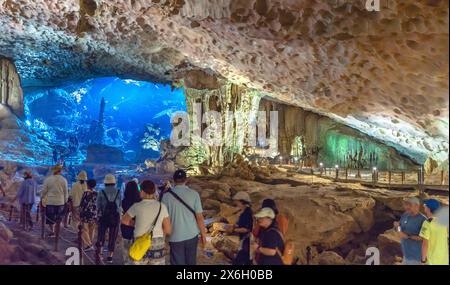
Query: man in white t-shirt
pixel 147 213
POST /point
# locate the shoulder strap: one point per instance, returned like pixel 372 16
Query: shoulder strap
pixel 106 196
pixel 278 231
pixel 182 202
pixel 117 195
pixel 156 219
pixel 280 254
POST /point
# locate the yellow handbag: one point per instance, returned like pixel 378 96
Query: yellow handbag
pixel 143 243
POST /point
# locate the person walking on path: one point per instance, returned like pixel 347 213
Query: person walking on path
pixel 186 216
pixel 108 208
pixel 131 197
pixel 152 216
pixel 76 194
pixel 26 195
pixel 88 214
pixel 54 197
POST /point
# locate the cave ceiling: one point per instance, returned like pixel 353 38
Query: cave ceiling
pixel 384 73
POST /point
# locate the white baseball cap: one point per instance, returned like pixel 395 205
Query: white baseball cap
pixel 265 213
pixel 242 196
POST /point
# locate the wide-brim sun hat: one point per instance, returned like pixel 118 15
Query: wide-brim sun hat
pixel 110 179
pixel 244 196
pixel 82 176
pixel 57 168
pixel 265 213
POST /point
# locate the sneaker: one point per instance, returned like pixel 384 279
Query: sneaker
pixel 109 260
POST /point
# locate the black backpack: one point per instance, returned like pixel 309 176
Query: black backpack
pixel 110 215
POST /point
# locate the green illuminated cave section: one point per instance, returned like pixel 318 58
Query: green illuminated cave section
pixel 340 145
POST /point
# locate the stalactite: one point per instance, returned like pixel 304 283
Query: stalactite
pixel 228 98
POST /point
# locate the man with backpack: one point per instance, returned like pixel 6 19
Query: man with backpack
pixel 186 216
pixel 108 206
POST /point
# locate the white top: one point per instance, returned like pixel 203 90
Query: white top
pixel 55 191
pixel 145 213
pixel 77 193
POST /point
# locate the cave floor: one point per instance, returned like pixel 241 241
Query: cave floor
pixel 291 189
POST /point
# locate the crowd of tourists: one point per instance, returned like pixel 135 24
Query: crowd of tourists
pixel 148 217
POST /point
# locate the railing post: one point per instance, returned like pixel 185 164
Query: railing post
pixel 346 174
pixel 42 213
pixel 57 232
pixel 24 217
pixel 389 177
pixel 98 249
pixel 403 177
pixel 308 255
pixel 37 213
pixel 337 173
pixel 11 209
pixel 80 242
pixel 442 177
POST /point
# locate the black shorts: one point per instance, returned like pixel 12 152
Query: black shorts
pixel 54 214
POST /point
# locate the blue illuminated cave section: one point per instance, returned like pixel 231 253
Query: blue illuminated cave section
pixel 123 119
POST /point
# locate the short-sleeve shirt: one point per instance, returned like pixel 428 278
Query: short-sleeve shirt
pixel 145 213
pixel 271 238
pixel 245 221
pixel 184 223
pixel 411 225
pixel 437 237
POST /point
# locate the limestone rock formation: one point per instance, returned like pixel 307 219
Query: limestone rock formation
pixel 103 154
pixel 389 246
pixel 11 94
pixel 329 258
pixel 383 72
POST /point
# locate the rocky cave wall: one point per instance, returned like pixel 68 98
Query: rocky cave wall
pixel 331 142
pixel 17 142
pixel 11 94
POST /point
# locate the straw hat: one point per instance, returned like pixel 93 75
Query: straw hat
pixel 57 168
pixel 110 179
pixel 82 176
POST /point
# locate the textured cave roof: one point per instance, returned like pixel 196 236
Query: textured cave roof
pixel 385 73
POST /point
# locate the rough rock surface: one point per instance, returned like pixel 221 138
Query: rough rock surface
pixel 384 72
pixel 10 90
pixel 338 221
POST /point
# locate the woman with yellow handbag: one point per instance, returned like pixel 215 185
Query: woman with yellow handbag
pixel 149 233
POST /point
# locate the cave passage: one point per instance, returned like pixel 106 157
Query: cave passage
pixel 129 116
